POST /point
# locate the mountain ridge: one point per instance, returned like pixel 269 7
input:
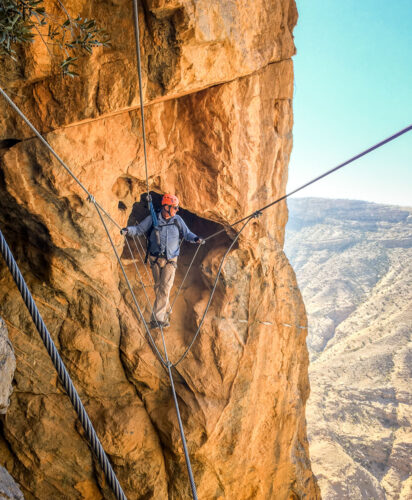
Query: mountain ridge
pixel 353 262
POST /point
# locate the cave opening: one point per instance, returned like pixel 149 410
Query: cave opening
pixel 194 285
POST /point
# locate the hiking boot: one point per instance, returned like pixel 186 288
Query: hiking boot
pixel 157 324
pixel 153 324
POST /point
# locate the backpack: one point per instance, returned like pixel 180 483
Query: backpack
pixel 149 232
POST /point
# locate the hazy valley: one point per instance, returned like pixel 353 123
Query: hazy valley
pixel 353 262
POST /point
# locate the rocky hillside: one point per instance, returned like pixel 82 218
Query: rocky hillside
pixel 353 262
pixel 218 88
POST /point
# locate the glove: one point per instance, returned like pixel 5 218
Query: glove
pixel 199 241
pixel 124 231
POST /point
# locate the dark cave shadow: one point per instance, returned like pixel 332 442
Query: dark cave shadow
pixel 28 238
pixel 195 284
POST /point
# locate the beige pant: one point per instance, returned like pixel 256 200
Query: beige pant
pixel 163 275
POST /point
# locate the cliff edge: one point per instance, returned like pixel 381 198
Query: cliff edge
pixel 218 87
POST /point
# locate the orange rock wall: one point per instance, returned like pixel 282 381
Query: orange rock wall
pixel 218 82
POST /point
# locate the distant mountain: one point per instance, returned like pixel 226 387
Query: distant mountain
pixel 353 262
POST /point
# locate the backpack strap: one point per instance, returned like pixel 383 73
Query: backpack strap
pixel 179 227
pixel 149 232
pixel 177 224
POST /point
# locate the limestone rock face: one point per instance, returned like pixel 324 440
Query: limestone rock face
pixel 7 367
pixel 186 46
pixel 219 136
pixel 354 264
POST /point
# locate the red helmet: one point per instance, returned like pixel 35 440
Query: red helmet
pixel 170 199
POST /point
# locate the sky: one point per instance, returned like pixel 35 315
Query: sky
pixel 353 88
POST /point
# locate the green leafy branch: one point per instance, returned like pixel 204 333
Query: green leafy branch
pixel 22 20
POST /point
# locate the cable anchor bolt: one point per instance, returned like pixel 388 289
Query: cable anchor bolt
pixel 256 215
pixel 91 199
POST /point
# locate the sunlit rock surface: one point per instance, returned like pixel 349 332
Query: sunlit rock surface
pixel 219 136
pixel 353 262
pixel 186 46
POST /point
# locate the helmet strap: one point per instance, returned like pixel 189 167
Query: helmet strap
pixel 168 209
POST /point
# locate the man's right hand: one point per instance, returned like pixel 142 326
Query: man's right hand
pixel 124 231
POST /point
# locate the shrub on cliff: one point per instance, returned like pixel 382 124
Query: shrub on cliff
pixel 22 20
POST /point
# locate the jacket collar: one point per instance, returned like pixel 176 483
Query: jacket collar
pixel 166 221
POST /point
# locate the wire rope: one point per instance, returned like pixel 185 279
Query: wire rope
pixel 184 279
pixel 182 433
pixel 152 342
pixel 141 258
pixel 139 70
pixel 61 370
pixel 139 73
pixel 316 179
pixel 53 152
pixel 182 357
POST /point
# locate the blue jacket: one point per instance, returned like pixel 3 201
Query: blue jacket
pixel 169 234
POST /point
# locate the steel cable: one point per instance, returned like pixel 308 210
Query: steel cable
pixel 139 72
pixel 316 179
pixel 141 258
pixel 53 152
pixel 182 357
pixel 182 433
pixel 61 370
pixel 152 342
pixel 184 279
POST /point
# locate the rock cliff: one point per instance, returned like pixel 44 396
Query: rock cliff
pixel 353 262
pixel 218 85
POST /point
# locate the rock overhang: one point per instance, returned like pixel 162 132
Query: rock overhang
pixel 219 135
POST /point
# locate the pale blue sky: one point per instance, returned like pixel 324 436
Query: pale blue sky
pixel 353 88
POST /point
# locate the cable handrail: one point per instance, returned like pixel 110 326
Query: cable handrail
pixel 318 178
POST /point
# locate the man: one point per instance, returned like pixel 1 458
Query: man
pixel 164 249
